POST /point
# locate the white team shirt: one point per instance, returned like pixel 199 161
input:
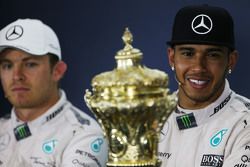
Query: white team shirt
pixel 216 136
pixel 64 136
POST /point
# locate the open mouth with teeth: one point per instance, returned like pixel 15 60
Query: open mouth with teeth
pixel 197 83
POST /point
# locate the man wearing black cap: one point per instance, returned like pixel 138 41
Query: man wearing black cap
pixel 210 126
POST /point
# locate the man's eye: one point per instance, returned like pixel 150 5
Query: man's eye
pixel 214 55
pixel 31 64
pixel 187 54
pixel 6 66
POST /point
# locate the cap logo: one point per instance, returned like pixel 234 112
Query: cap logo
pixel 14 32
pixel 202 24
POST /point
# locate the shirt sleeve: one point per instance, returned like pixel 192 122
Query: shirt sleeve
pixel 237 154
pixel 86 149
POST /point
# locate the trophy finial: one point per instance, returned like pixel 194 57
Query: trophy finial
pixel 127 38
pixel 128 53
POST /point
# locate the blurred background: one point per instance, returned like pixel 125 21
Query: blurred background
pixel 90 35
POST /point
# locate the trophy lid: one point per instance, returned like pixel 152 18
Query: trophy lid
pixel 129 72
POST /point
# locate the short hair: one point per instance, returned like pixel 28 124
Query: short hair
pixel 53 59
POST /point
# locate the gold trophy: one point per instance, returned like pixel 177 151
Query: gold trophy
pixel 131 103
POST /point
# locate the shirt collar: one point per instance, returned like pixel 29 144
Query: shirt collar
pixel 202 115
pixel 52 113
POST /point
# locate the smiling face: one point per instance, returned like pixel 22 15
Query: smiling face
pixel 201 70
pixel 29 82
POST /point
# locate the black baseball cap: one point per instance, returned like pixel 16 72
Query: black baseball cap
pixel 203 24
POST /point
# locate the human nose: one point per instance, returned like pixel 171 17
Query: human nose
pixel 18 74
pixel 199 64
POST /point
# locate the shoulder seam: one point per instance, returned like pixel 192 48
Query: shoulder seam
pixel 243 101
pixel 79 117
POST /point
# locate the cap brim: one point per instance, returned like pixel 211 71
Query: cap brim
pixel 2 48
pixel 179 42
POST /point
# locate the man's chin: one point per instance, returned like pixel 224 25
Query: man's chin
pixel 20 104
pixel 200 98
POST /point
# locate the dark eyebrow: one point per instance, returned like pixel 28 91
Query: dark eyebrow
pixel 2 60
pixel 186 48
pixel 29 58
pixel 214 50
pixel 23 60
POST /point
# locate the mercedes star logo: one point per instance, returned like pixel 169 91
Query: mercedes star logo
pixel 202 24
pixel 14 32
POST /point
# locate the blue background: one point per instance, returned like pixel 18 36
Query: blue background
pixel 90 35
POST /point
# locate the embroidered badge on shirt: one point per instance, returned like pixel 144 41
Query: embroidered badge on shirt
pixel 49 146
pixel 186 121
pixel 96 145
pixel 22 131
pixel 217 138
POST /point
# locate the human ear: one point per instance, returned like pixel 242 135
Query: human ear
pixel 59 70
pixel 233 57
pixel 171 57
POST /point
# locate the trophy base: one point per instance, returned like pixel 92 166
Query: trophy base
pixel 158 164
pixel 135 166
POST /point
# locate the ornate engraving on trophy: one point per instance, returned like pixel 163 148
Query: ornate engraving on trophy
pixel 131 103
